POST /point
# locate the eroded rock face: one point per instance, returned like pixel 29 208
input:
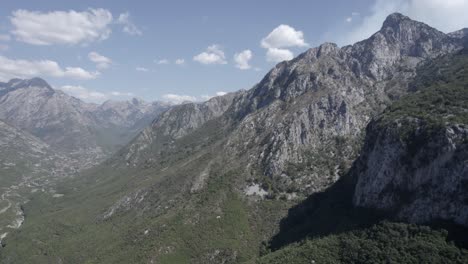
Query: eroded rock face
pixel 328 94
pixel 319 102
pixel 419 179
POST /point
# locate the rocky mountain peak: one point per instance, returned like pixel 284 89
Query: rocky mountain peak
pixel 326 49
pixel 69 125
pixel 13 81
pixel 137 101
pixel 40 86
pixel 318 100
pixel 413 38
pixel 394 20
pixel 34 82
pixel 460 34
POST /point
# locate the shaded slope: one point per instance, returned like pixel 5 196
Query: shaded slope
pixel 412 168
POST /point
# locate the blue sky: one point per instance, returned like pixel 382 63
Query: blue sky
pixel 99 50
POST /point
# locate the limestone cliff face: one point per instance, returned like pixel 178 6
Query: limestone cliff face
pixel 319 102
pixel 328 92
pixel 414 163
pixel 420 181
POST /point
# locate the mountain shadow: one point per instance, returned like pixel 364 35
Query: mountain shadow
pixel 325 213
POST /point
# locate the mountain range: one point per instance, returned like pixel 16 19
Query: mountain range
pixel 355 154
pixel 85 132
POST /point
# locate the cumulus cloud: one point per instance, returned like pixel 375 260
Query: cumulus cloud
pixel 89 95
pixel 351 18
pixel 445 15
pixel 278 55
pixel 128 26
pixel 180 61
pixel 60 27
pixel 76 73
pixel 142 69
pixel 279 39
pixel 178 99
pixel 208 97
pixel 284 36
pixel 11 68
pixel 101 61
pixel 213 55
pixel 242 59
pixel 163 61
pixel 121 94
pixel 84 93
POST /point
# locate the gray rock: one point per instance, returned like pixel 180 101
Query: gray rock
pixel 319 102
pixel 85 132
pixel 429 185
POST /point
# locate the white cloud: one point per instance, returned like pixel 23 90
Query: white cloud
pixel 142 69
pixel 121 94
pixel 242 59
pixel 180 61
pixel 77 73
pixel 84 93
pixel 60 27
pixel 11 68
pixel 128 26
pixel 351 18
pixel 208 97
pixel 101 61
pixel 213 55
pixel 89 95
pixel 163 61
pixel 445 15
pixel 284 36
pixel 278 55
pixel 177 99
pixel 279 39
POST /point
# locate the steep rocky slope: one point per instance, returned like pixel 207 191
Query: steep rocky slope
pixel 319 102
pixel 415 160
pixel 24 154
pixel 26 165
pixel 86 132
pixel 209 182
pixel 412 168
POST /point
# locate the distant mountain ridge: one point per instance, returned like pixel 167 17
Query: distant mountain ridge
pixel 86 132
